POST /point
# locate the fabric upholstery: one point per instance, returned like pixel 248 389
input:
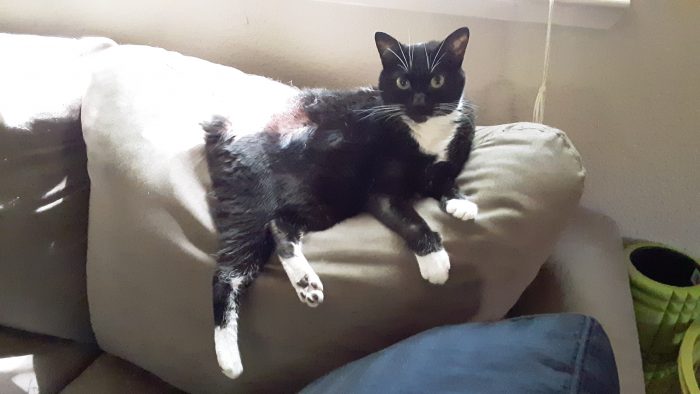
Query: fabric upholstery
pixel 44 186
pixel 111 375
pixel 548 354
pixel 37 364
pixel 151 237
pixel 587 273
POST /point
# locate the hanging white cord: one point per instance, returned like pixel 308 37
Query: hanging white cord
pixel 538 111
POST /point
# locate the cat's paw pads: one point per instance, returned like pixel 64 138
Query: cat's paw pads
pixel 462 209
pixel 310 290
pixel 434 267
pixel 226 346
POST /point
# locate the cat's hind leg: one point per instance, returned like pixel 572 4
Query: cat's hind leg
pixel 304 279
pixel 241 207
pixel 400 216
pixel 227 287
pixel 239 262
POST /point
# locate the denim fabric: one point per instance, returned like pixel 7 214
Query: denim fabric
pixel 564 353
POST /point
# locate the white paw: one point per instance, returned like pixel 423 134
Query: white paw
pixel 226 345
pixel 462 208
pixel 434 267
pixel 310 289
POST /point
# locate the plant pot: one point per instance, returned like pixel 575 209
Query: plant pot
pixel 688 359
pixel 665 286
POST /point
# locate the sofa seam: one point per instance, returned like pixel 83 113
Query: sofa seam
pixel 79 372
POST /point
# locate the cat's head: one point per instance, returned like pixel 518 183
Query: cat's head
pixel 422 80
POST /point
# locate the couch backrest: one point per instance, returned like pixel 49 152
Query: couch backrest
pixel 44 186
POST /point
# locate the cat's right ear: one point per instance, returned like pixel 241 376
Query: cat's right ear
pixel 388 48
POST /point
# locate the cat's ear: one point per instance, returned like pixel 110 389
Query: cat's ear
pixel 388 48
pixel 456 45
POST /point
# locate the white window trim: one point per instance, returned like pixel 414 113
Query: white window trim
pixel 597 14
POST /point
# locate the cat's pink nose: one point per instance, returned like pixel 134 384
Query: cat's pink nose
pixel 419 99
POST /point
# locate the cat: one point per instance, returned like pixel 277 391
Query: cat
pixel 331 155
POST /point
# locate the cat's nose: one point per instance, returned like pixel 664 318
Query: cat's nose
pixel 419 99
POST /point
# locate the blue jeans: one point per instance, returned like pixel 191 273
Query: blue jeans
pixel 562 353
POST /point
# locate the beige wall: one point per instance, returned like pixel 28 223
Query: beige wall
pixel 629 97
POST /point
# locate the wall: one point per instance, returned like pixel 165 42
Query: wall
pixel 627 96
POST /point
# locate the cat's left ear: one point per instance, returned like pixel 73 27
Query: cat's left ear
pixel 388 48
pixel 456 44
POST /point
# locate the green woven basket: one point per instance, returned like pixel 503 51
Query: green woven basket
pixel 665 287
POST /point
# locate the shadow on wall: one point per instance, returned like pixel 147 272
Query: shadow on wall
pixel 501 101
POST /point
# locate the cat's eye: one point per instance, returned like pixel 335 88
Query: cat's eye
pixel 403 83
pixel 437 81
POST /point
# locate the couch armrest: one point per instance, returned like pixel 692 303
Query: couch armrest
pixel 587 274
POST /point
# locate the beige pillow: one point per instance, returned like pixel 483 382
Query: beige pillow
pixel 151 238
pixel 44 186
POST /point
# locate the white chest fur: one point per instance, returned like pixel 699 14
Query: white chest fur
pixel 435 134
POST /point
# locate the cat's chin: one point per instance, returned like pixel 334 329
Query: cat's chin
pixel 418 118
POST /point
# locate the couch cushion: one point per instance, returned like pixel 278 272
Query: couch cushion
pixel 31 363
pixel 151 237
pixel 551 354
pixel 587 273
pixel 111 375
pixel 44 185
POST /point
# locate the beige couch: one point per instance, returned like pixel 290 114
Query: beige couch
pixel 586 274
pixel 43 238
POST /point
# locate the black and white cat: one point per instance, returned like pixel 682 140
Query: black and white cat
pixel 332 155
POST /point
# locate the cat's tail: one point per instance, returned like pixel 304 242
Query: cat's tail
pixel 216 128
pixel 239 261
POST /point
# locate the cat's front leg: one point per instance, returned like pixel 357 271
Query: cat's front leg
pixel 456 204
pixel 400 216
pixel 305 282
pixel 441 186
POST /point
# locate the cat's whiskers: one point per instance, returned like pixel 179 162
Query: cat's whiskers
pixel 445 108
pixel 438 62
pixel 427 58
pixel 386 115
pixel 466 106
pixel 382 116
pixel 381 112
pixel 380 107
pixel 432 67
pixel 410 50
pixel 448 105
pixel 406 62
pixel 391 115
pixel 404 65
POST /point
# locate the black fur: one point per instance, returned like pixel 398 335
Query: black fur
pixel 418 65
pixel 330 156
